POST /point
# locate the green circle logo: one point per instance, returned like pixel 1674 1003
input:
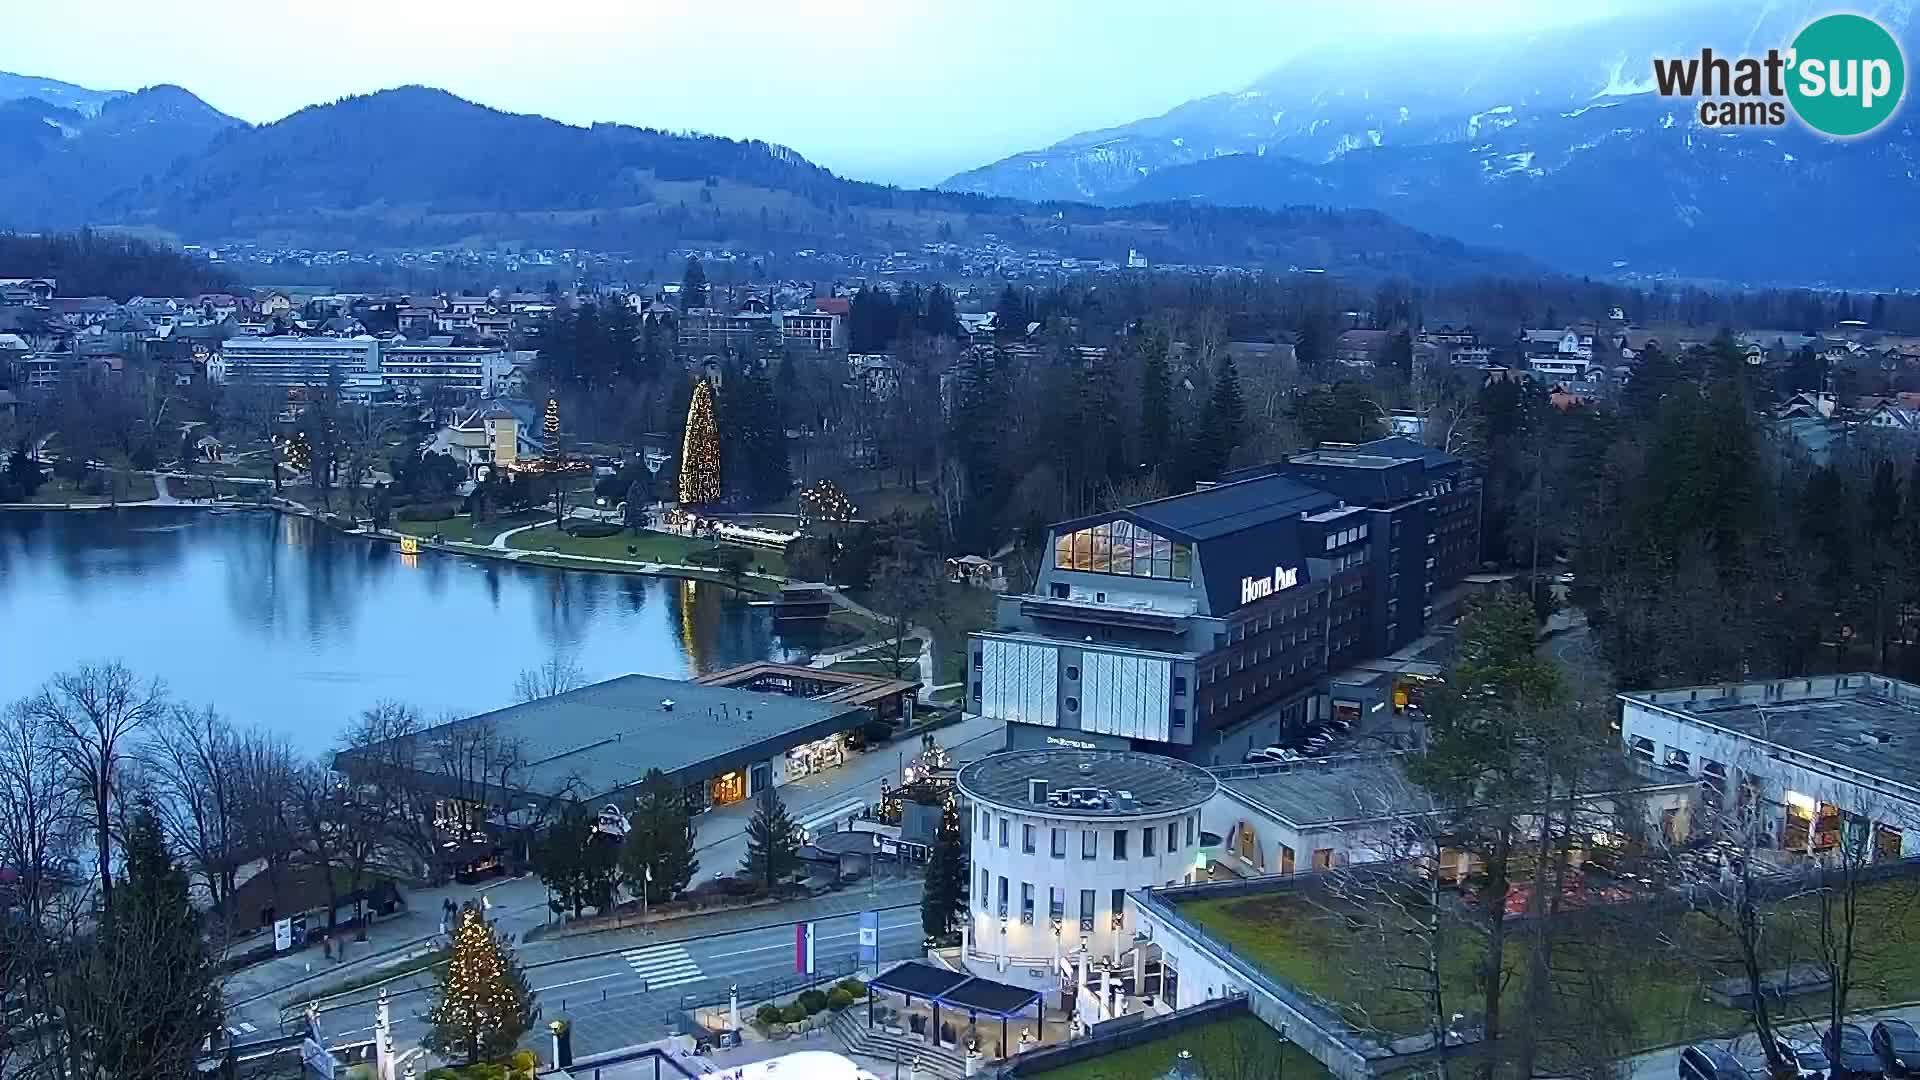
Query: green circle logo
pixel 1847 75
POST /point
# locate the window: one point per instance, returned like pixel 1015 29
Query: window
pixel 986 824
pixel 1003 897
pixel 1119 908
pixel 1089 844
pixel 1179 684
pixel 1086 911
pixel 1060 590
pixel 1146 841
pixel 1323 858
pixel 1059 838
pixel 1056 904
pixel 1121 547
pixel 986 891
pixel 1003 832
pixel 1119 843
pixel 1026 903
pixel 1073 704
pixel 1191 820
pixel 1073 673
pixel 1026 839
pixel 1179 718
pixel 976 660
pixel 1173 836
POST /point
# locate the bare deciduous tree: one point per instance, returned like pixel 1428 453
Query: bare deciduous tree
pixel 552 678
pixel 193 766
pixel 96 712
pixel 40 829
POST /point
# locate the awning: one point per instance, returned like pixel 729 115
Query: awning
pixel 955 990
pixel 920 980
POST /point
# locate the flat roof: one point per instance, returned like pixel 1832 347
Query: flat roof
pixel 1312 793
pixel 1864 722
pixel 1118 783
pixel 602 738
pixel 851 687
pixel 1368 787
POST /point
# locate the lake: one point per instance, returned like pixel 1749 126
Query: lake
pixel 281 622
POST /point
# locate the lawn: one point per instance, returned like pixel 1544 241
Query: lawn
pixel 1645 970
pixel 1241 1048
pixel 646 547
pixel 133 487
pixel 462 528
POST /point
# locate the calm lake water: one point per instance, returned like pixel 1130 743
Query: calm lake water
pixel 280 622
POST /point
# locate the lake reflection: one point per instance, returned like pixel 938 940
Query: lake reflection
pixel 281 622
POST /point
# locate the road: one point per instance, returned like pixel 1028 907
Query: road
pixel 625 998
pixel 1664 1064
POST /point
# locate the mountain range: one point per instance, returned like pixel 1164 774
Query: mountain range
pixel 418 167
pixel 1552 144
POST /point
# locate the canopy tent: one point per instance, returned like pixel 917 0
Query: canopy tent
pixel 974 995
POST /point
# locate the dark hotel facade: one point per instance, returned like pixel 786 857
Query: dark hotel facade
pixel 1206 624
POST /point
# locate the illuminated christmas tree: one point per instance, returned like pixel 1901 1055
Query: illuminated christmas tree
pixel 550 434
pixel 700 451
pixel 483 1004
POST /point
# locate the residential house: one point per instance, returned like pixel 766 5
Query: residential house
pixel 1360 346
pixel 876 373
pixel 27 291
pixel 1555 355
pixel 488 438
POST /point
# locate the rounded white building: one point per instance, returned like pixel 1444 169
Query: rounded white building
pixel 1059 837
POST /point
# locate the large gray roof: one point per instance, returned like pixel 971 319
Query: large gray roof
pixel 602 738
pixel 1865 722
pixel 1131 784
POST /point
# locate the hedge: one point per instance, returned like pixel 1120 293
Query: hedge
pixel 426 512
pixel 592 530
pixel 838 998
pixel 768 1015
pixel 812 1001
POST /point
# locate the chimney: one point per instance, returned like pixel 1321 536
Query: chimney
pixel 666 704
pixel 1037 792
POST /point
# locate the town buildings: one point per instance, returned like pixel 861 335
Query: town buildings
pixel 1206 625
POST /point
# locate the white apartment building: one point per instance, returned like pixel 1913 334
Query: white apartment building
pixel 1818 760
pixel 818 330
pixel 1060 836
pixel 437 363
pixel 294 361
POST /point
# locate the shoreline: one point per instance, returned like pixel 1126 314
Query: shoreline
pixel 544 559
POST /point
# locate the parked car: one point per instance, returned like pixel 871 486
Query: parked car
pixel 1705 1061
pixel 1897 1046
pixel 1271 755
pixel 1807 1059
pixel 1850 1050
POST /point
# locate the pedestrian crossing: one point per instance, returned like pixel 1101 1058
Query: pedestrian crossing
pixel 663 965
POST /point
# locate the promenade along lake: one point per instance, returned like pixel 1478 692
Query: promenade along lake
pixel 281 622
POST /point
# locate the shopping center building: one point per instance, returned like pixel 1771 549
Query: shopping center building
pixel 1207 624
pixel 597 743
pixel 1816 761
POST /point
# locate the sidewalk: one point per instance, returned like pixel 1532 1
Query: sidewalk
pixel 518 904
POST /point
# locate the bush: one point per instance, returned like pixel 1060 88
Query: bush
pixel 793 1013
pixel 838 998
pixel 854 987
pixel 732 560
pixel 812 1001
pixel 876 732
pixel 524 1062
pixel 433 511
pixel 768 1015
pixel 592 530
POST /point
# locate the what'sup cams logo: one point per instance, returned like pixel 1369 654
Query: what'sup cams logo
pixel 1843 76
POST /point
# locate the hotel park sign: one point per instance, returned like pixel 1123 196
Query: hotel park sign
pixel 1259 588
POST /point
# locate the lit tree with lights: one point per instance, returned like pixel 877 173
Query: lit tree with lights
pixel 824 501
pixel 482 1001
pixel 700 451
pixel 550 434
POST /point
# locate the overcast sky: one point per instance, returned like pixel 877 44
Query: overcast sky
pixel 907 91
